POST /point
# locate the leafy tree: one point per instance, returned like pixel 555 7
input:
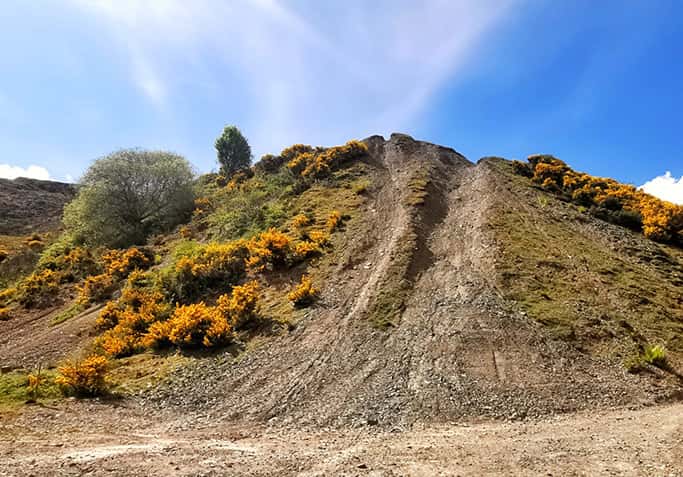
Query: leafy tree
pixel 234 152
pixel 129 195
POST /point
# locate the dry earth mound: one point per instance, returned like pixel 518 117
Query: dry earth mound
pixel 415 323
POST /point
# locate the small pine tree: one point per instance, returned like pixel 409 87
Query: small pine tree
pixel 234 152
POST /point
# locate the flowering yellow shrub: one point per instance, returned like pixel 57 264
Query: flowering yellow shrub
pixel 333 221
pixel 119 263
pixel 39 288
pixel 7 295
pixel 660 220
pixel 35 244
pixel 305 249
pixel 191 326
pixel 308 162
pixel 270 247
pixel 84 378
pixel 304 293
pixel 301 220
pixel 300 162
pixel 321 238
pixel 96 288
pixel 212 265
pixel 4 314
pixel 109 316
pixel 33 383
pixel 72 263
pixel 294 150
pixel 128 320
pixel 239 307
pixel 202 205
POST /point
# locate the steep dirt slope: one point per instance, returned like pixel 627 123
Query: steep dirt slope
pixel 412 326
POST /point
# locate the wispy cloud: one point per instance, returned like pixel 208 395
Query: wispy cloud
pixel 8 171
pixel 309 71
pixel 666 187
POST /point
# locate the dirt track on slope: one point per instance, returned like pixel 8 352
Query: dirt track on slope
pixel 98 439
pixel 457 349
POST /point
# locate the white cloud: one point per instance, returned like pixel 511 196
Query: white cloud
pixel 666 187
pixel 8 171
pixel 309 71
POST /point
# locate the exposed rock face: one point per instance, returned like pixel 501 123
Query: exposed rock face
pixel 31 205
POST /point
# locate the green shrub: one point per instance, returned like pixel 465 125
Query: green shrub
pixel 261 203
pixel 269 164
pixel 128 196
pixel 522 169
pixel 655 355
pixel 233 150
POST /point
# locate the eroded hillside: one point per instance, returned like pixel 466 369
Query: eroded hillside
pixel 419 321
pixel 438 289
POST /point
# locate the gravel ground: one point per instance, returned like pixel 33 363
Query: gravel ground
pixel 101 439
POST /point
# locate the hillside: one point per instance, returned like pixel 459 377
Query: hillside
pixel 31 213
pixel 447 291
pixel 429 259
pixel 32 206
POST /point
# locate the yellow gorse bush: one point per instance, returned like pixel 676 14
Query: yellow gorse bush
pixel 305 249
pixel 84 378
pixel 271 247
pixel 96 288
pixel 300 221
pixel 240 306
pixel 192 325
pixel 304 293
pixel 142 319
pixel 333 221
pixel 5 314
pixel 661 221
pixel 7 295
pixel 39 288
pixel 119 263
pixel 127 320
pixel 311 163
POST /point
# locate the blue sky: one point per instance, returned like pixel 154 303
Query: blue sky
pixel 598 84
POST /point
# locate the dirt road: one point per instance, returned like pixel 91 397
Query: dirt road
pixel 98 439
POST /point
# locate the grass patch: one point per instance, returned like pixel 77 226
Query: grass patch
pixel 69 312
pixel 142 371
pixel 418 188
pixel 14 388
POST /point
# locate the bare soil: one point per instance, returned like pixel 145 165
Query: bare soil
pixel 100 439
